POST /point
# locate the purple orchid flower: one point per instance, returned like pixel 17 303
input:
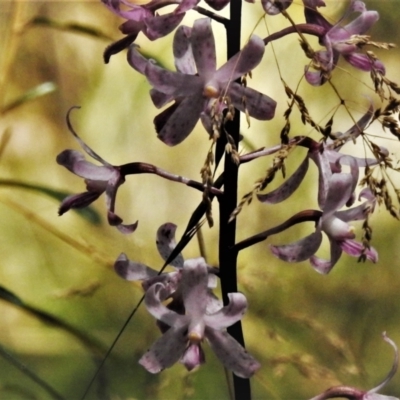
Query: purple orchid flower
pixel 182 341
pixel 134 271
pixel 336 41
pixel 335 190
pixel 99 179
pixel 144 18
pixel 193 93
pixel 274 7
pixel 166 243
pixel 357 394
pixel 326 157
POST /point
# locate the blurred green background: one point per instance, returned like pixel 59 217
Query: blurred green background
pixel 62 304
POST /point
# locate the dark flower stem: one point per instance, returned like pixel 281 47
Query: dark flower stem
pixel 227 203
pixel 135 168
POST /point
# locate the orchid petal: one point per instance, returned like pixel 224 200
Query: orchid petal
pixel 173 83
pixel 324 176
pixel 229 314
pixel 336 228
pixel 242 62
pixel 362 23
pixel 161 119
pixel 161 25
pixel 363 62
pixel 358 6
pixel 132 271
pixel 315 78
pixel 371 394
pixel 214 304
pixel 360 125
pixel 160 99
pixel 287 188
pixel 182 121
pixel 377 396
pixel 166 243
pixel 135 12
pixel 232 355
pixel 80 200
pixel 115 220
pixel 334 156
pixel 193 357
pixel 300 250
pixel 118 46
pixel 156 308
pixel 133 27
pixel 170 281
pixel 218 4
pixel 165 351
pixel 115 181
pixel 194 287
pixel 355 213
pixel 313 4
pixel 324 266
pixel 367 194
pixel 182 49
pixel 258 105
pixel 75 162
pixel 356 249
pixel 83 145
pixel 341 187
pixel 274 7
pixel 203 48
pixel 136 60
pixel 186 5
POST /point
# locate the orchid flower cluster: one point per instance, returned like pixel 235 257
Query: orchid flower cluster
pixel 182 300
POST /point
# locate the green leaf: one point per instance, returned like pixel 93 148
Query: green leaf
pixel 96 348
pixel 31 94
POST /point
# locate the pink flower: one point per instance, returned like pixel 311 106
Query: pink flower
pixel 194 49
pixel 182 341
pixel 336 40
pixel 99 179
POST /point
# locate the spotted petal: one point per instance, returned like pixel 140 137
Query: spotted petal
pixel 165 351
pixel 298 251
pixel 132 271
pixel 203 48
pixel 324 266
pixel 274 7
pixel 258 105
pixel 154 296
pixel 364 63
pixel 182 121
pixel 75 162
pixel 161 25
pixel 356 249
pixel 217 4
pixel 287 188
pixel 242 62
pixel 232 355
pixel 229 314
pixel 193 357
pixel 165 241
pixel 194 287
pixel 80 200
pixel 182 49
pixel 173 83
